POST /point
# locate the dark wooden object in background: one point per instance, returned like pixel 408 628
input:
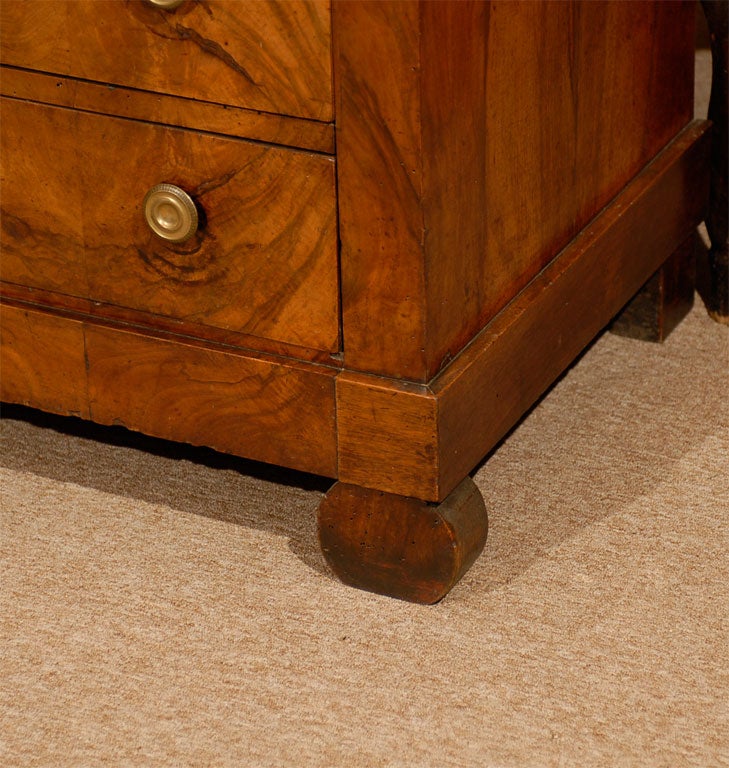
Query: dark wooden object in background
pixel 664 300
pixel 716 293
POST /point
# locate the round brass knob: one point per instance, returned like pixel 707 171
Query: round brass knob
pixel 168 5
pixel 170 213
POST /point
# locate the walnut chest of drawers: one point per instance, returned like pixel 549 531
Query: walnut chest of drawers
pixel 358 240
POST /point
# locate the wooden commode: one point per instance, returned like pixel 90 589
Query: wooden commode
pixel 358 240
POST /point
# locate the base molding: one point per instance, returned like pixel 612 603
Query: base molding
pixel 433 435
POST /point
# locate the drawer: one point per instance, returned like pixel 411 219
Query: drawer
pixel 263 261
pixel 262 55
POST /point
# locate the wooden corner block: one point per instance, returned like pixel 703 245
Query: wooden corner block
pixel 388 436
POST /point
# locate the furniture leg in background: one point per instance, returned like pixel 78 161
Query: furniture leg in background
pixel 664 300
pixel 716 292
pixel 668 296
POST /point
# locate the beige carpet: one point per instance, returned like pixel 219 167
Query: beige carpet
pixel 162 606
pixel 164 611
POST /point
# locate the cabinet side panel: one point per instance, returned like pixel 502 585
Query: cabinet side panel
pixel 475 140
pixel 517 356
pixel 580 96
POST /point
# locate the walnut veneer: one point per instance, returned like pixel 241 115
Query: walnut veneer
pixel 412 217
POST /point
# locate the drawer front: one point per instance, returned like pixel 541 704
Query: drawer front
pixel 264 259
pixel 258 54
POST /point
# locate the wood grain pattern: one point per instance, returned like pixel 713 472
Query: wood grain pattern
pixel 398 546
pixel 475 140
pixel 42 362
pixel 388 435
pixel 169 110
pixel 265 55
pixel 282 413
pixel 257 407
pixel 264 262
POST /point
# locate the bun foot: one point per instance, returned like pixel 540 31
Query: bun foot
pixel 399 546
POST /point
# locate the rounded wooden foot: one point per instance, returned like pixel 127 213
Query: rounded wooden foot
pixel 399 546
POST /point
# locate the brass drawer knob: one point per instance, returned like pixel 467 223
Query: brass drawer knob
pixel 168 5
pixel 170 213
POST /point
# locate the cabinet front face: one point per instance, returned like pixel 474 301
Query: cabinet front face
pixel 264 55
pixel 262 261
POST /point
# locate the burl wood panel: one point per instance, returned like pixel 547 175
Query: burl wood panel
pixel 264 262
pixel 272 411
pixel 42 362
pixel 475 140
pixel 264 54
pixel 259 407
